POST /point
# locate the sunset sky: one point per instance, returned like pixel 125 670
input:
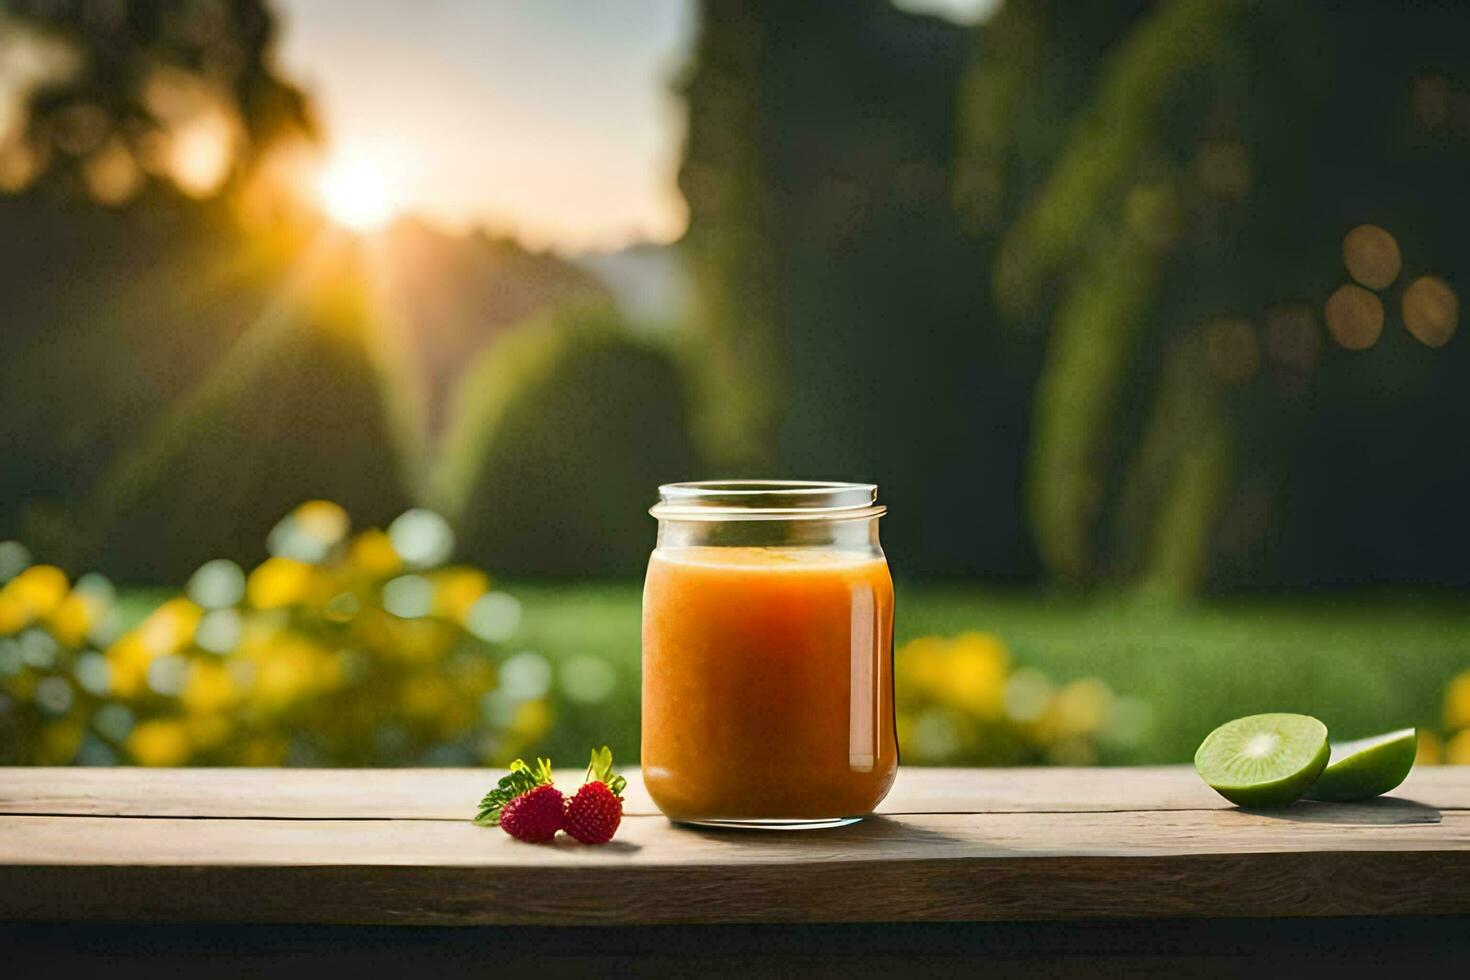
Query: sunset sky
pixel 550 120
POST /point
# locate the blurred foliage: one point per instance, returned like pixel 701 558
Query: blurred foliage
pixel 339 649
pixel 135 100
pixel 1454 748
pixel 184 361
pixel 723 177
pixel 961 701
pixel 189 361
pixel 449 297
pixel 561 431
pixel 1075 279
pixel 1155 198
pixel 574 651
pixel 842 332
pixel 295 408
pixel 1173 243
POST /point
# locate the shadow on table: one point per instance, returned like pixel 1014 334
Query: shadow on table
pixel 1382 811
pixel 871 828
pixel 564 843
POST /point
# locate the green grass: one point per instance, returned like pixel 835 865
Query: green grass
pixel 1362 663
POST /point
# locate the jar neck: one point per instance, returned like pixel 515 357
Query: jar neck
pixel 848 535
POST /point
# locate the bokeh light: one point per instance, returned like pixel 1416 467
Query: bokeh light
pixel 310 532
pixel 1354 317
pixel 355 193
pixel 201 153
pixel 1431 311
pixel 494 617
pixel 113 176
pixel 409 596
pixel 1371 256
pixel 421 537
pixel 588 680
pixel 526 675
pixel 219 631
pixel 217 584
pixel 14 559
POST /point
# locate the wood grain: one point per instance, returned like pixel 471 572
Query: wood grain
pixel 326 846
pixel 449 794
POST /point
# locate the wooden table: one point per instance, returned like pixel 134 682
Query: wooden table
pixel 395 847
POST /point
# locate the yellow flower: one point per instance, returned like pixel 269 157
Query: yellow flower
pixel 372 554
pixel 1457 702
pixel 1080 708
pixel 127 662
pixel 975 675
pixel 287 671
pixel 170 627
pixel 1457 749
pixel 71 619
pixel 159 742
pixel 456 590
pixel 39 590
pixel 210 688
pixel 278 582
pixel 417 641
pixel 323 520
pixel 1429 751
pixel 532 720
pixel 920 667
pixel 14 616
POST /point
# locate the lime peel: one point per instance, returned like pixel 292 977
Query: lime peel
pixel 1367 767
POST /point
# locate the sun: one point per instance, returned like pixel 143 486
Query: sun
pixel 355 193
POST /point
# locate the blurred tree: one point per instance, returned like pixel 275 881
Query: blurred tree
pixel 837 338
pixel 183 356
pixel 1160 192
pixel 148 98
pixel 1173 234
pixel 452 295
pixel 295 410
pixel 558 436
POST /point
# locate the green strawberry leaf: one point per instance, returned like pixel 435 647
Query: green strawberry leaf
pixel 521 779
pixel 600 770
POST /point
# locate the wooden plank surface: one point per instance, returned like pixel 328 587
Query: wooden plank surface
pixel 448 794
pixel 394 846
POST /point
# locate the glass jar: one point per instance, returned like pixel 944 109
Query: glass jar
pixel 768 655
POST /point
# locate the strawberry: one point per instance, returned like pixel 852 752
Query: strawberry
pixel 535 816
pixel 594 812
pixel 524 803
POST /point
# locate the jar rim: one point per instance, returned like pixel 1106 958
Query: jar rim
pixel 713 500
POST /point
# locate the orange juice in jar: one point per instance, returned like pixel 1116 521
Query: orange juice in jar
pixel 768 655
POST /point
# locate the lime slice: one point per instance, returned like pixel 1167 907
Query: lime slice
pixel 1263 760
pixel 1367 767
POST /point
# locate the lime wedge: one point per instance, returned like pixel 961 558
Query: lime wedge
pixel 1263 760
pixel 1367 767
